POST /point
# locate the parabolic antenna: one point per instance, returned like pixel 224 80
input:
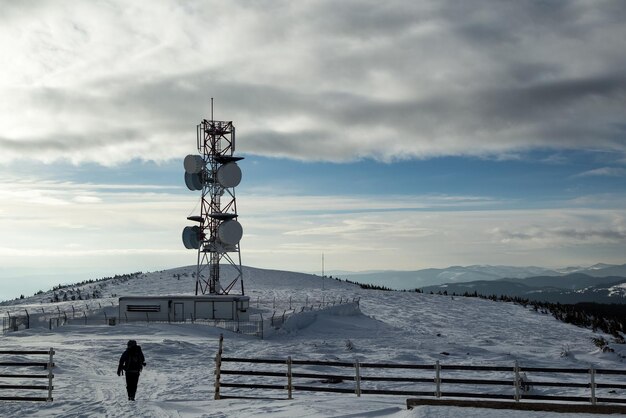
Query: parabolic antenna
pixel 223 216
pixel 193 181
pixel 230 232
pixel 191 237
pixel 229 175
pixel 193 163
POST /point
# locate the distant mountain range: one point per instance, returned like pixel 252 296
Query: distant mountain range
pixel 571 288
pixel 602 283
pixel 459 274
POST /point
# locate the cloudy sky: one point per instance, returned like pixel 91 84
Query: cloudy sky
pixel 387 135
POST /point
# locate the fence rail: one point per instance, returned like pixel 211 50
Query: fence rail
pixel 25 380
pixel 300 304
pixel 253 327
pixel 287 376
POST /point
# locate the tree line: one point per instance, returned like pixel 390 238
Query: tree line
pixel 608 318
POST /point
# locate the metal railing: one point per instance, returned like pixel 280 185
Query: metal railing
pixel 253 326
pixel 32 318
pixel 278 319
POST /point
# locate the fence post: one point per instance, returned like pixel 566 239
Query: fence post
pixel 516 383
pixel 437 379
pixel 262 324
pixel 73 312
pixel 289 302
pixel 289 377
pixel 592 373
pixel 218 367
pixel 257 302
pixel 357 378
pixel 50 375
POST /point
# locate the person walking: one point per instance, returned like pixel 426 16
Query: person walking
pixel 132 362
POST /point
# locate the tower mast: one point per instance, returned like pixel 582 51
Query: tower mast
pixel 216 174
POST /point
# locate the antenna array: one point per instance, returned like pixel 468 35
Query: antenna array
pixel 216 237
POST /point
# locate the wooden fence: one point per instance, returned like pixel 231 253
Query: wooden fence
pixel 435 380
pixel 25 379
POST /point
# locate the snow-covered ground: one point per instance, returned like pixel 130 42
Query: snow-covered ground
pixel 398 327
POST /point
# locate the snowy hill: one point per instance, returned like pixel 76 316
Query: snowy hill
pixel 402 327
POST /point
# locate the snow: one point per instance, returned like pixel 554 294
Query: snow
pixel 384 326
pixel 617 290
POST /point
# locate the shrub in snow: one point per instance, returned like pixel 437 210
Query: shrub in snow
pixel 602 344
pixel 349 345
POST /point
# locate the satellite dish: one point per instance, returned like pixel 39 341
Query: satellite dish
pixel 193 163
pixel 230 232
pixel 193 181
pixel 229 175
pixel 191 237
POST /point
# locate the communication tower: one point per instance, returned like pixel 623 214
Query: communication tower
pixel 214 172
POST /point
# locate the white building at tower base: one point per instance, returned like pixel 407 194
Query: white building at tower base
pixel 176 308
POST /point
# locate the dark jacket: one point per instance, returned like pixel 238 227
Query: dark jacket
pixel 125 360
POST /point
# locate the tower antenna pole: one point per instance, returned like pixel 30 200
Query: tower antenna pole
pixel 323 271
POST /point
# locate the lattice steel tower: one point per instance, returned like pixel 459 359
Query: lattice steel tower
pixel 215 172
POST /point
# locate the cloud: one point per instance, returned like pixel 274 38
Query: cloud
pixel 562 235
pixel 108 82
pixel 87 199
pixel 100 225
pixel 604 172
